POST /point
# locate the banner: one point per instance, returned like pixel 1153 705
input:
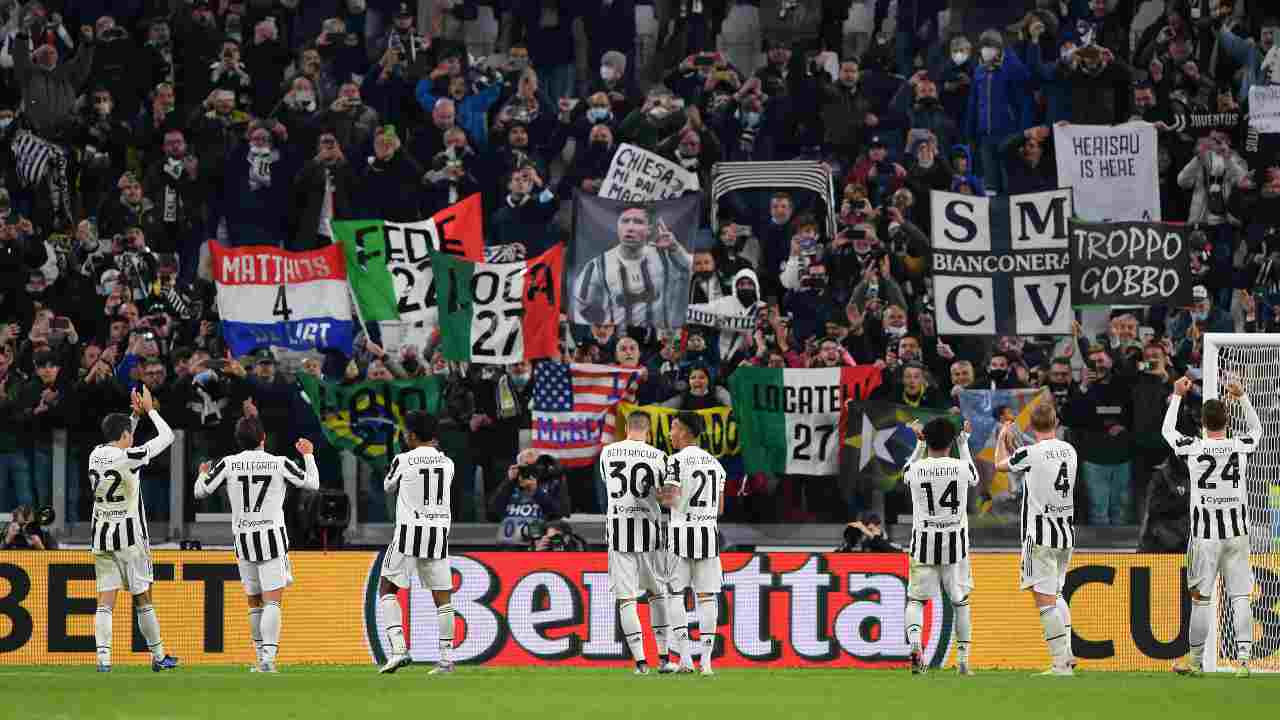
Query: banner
pixel 998 495
pixel 1001 265
pixel 792 422
pixel 1112 168
pixel 500 313
pixel 637 175
pixel 1264 108
pixel 390 263
pixel 268 297
pixel 630 263
pixel 1131 263
pixel 366 417
pixel 880 432
pixel 811 175
pixel 572 406
pixel 719 428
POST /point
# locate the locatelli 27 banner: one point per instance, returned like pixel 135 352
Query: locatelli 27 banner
pixel 1001 265
pixel 786 609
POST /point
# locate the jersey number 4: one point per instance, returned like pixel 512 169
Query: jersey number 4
pixel 109 476
pixel 1063 483
pixel 245 481
pixel 948 499
pixel 637 486
pixel 1230 472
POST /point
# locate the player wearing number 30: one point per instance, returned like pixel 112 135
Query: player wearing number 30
pixel 255 482
pixel 939 487
pixel 121 550
pixel 1219 542
pixel 421 478
pixel 693 488
pixel 1048 530
pixel 632 471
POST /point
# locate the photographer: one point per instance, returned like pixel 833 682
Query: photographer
pixel 555 536
pixel 26 530
pixel 867 535
pixel 521 499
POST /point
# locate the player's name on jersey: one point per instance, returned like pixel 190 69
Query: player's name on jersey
pixel 251 465
pixel 803 399
pixel 1051 454
pixel 411 460
pixel 944 471
pixel 646 453
pixel 689 460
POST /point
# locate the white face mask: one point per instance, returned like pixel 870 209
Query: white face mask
pixel 895 332
pixel 960 57
pixel 606 73
pixel 5 122
pixel 989 54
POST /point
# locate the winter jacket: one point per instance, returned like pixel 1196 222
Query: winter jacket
pixel 49 96
pixel 1022 177
pixel 527 224
pixel 729 307
pixel 844 114
pixel 1195 175
pixel 306 208
pixel 471 111
pixel 254 216
pixel 995 100
pixel 390 190
pixel 1103 99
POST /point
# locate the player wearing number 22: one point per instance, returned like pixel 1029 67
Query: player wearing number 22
pixel 1219 543
pixel 693 487
pixel 255 481
pixel 120 544
pixel 1048 531
pixel 939 487
pixel 421 479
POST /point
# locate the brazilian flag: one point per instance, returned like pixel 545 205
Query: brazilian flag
pixel 880 434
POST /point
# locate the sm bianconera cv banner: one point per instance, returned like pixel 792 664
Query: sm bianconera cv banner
pixel 517 608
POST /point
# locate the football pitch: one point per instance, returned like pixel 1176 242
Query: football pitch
pixel 314 692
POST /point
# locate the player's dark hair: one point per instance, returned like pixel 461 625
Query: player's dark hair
pixel 249 433
pixel 638 422
pixel 115 425
pixel 649 214
pixel 422 424
pixel 1213 415
pixel 691 420
pixel 939 433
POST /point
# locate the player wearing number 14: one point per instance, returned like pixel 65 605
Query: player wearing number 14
pixel 255 482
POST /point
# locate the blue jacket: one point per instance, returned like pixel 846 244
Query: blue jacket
pixel 996 100
pixel 471 110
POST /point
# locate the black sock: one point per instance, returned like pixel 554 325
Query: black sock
pixel 664 657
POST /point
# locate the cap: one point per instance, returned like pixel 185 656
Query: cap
pixel 405 10
pixel 201 5
pixel 876 142
pixel 1199 293
pixel 264 357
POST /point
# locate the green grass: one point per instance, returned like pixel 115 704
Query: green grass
pixel 311 692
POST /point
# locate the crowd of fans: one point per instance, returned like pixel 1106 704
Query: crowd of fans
pixel 136 132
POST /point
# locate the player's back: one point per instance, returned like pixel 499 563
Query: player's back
pixel 1219 495
pixel 940 500
pixel 695 514
pixel 632 471
pixel 256 482
pixel 1049 482
pixel 424 477
pixel 119 515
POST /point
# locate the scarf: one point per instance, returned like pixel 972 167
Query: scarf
pixel 260 164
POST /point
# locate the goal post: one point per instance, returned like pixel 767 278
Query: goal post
pixel 1253 360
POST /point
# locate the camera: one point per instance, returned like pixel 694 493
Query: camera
pixel 543 469
pixel 41 518
pixel 114 33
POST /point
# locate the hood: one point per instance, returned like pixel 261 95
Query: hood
pixel 961 150
pixel 616 60
pixel 746 273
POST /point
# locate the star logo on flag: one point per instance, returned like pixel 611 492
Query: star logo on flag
pixel 552 388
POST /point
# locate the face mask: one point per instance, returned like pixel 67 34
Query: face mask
pixel 607 73
pixel 5 122
pixel 519 64
pixel 895 332
pixel 598 114
pixel 959 57
pixel 659 113
pixel 928 102
pixel 519 380
pixel 305 99
pixel 750 118
pixel 989 54
pixel 998 374
pixel 260 151
pixel 1200 315
pixel 355 7
pixel 747 296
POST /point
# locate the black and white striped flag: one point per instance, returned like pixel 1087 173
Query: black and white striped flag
pixel 727 177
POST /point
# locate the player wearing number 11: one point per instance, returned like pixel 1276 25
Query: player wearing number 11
pixel 255 487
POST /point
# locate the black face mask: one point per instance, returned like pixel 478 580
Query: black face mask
pixel 701 276
pixel 998 374
pixel 747 296
pixel 927 103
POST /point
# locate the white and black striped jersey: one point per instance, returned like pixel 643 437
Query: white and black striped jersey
pixel 632 472
pixel 940 504
pixel 256 487
pixel 1219 493
pixel 119 514
pixel 1048 486
pixel 422 479
pixel 694 531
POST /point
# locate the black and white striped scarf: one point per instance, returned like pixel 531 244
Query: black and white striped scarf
pixel 40 161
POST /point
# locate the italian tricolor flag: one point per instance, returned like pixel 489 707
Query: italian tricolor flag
pixel 792 422
pixel 499 313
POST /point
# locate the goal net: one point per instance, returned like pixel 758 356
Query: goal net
pixel 1253 360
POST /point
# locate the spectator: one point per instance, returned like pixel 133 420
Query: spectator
pixel 351 121
pixel 520 500
pixel 525 215
pixel 388 183
pixel 701 394
pixel 24 533
pixel 174 186
pixel 322 193
pixel 996 112
pixel 256 185
pixel 1029 161
pixel 1103 419
pixel 48 89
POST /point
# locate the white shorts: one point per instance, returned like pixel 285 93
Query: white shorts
pixel 266 576
pixel 433 574
pixel 1207 559
pixel 1044 569
pixel 704 576
pixel 633 574
pixel 926 580
pixel 125 569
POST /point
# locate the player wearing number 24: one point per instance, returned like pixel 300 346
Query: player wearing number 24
pixel 255 481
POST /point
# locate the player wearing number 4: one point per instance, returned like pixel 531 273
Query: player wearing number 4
pixel 1048 529
pixel 1219 542
pixel 421 479
pixel 939 487
pixel 255 488
pixel 693 487
pixel 121 550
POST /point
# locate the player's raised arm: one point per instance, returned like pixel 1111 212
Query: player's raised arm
pixel 310 480
pixel 1253 432
pixel 1002 449
pixel 920 448
pixel 391 483
pixel 1169 429
pixel 164 434
pixel 209 479
pixel 962 448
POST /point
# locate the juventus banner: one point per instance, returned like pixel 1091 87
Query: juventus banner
pixel 1001 265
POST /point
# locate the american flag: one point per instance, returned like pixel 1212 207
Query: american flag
pixel 573 404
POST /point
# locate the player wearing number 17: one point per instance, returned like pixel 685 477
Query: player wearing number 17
pixel 939 487
pixel 1048 530
pixel 1219 542
pixel 255 488
pixel 693 488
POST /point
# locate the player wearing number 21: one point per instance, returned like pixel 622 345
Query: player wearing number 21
pixel 1219 542
pixel 939 487
pixel 255 482
pixel 693 487
pixel 1048 531
pixel 421 479
pixel 120 545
